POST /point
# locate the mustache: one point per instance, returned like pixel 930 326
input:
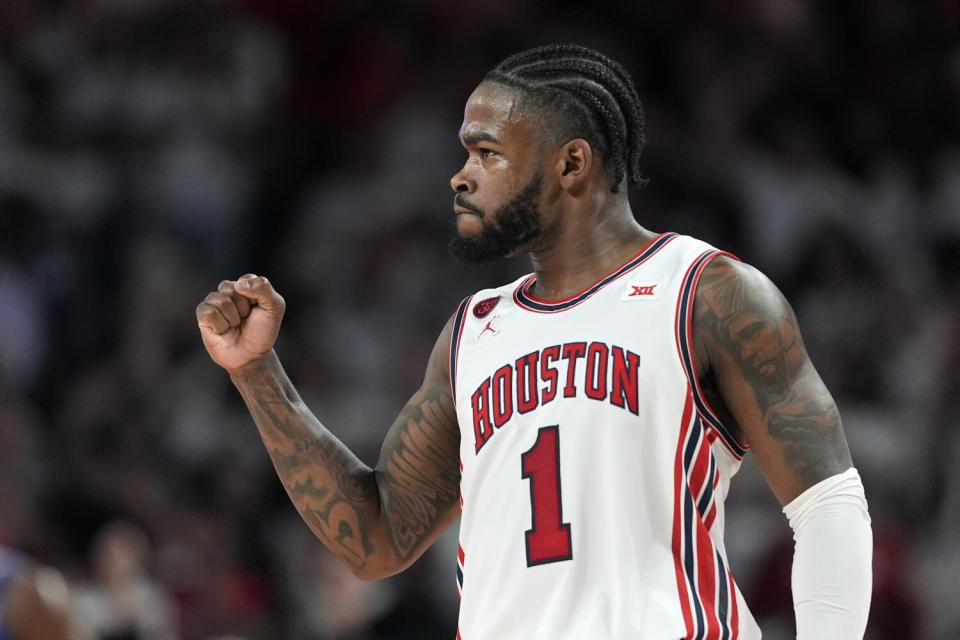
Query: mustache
pixel 461 201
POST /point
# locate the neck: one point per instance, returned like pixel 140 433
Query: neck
pixel 578 254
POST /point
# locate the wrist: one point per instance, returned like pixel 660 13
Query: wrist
pixel 256 365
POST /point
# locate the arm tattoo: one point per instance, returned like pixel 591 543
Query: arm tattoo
pixel 418 479
pixel 748 321
pixel 349 506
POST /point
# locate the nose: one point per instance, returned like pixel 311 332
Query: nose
pixel 463 183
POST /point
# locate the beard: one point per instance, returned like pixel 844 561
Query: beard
pixel 515 225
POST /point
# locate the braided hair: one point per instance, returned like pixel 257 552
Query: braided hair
pixel 593 96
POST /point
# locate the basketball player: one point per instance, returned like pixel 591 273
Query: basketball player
pixel 33 601
pixel 584 421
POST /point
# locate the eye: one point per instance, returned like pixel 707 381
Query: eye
pixel 486 153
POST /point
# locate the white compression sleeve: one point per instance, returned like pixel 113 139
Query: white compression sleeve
pixel 832 561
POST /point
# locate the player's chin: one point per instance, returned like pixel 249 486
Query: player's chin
pixel 473 249
pixel 469 225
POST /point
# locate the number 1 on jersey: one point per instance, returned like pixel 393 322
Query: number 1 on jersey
pixel 548 540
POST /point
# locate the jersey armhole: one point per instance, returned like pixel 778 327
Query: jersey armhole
pixel 684 338
pixel 456 333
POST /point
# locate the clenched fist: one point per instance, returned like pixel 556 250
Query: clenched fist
pixel 239 322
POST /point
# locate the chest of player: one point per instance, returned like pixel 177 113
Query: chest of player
pixel 608 358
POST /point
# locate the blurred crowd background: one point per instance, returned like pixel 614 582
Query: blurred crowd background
pixel 151 148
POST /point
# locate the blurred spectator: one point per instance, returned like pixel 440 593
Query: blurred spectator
pixel 124 602
pixel 329 603
pixel 34 601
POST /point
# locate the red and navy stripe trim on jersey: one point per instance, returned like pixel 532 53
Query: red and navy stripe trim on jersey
pixel 705 585
pixel 684 336
pixel 456 333
pixel 461 557
pixel 526 301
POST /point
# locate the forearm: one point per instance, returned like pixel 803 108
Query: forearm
pixel 334 492
pixel 378 520
pixel 832 573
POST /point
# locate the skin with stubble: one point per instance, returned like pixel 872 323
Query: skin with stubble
pixel 514 225
pixel 519 191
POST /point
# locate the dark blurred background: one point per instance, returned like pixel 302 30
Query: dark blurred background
pixel 151 148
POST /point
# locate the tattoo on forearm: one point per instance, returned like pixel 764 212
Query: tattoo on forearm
pixel 411 492
pixel 760 334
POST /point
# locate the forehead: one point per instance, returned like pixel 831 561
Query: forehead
pixel 494 110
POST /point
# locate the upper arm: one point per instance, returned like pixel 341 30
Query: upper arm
pixel 418 474
pixel 748 340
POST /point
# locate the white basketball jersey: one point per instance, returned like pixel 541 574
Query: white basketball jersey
pixel 593 469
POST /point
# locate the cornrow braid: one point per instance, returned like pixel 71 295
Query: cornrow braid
pixel 593 94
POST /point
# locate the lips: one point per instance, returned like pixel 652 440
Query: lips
pixel 461 207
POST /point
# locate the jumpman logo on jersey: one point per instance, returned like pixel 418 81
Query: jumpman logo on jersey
pixel 488 327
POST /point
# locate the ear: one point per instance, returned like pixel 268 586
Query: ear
pixel 574 164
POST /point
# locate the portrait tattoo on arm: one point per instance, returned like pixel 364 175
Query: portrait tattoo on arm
pixel 765 377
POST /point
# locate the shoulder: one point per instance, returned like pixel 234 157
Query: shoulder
pixel 747 339
pixel 728 286
pixel 739 312
pixel 443 357
pixel 482 302
pixel 504 291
